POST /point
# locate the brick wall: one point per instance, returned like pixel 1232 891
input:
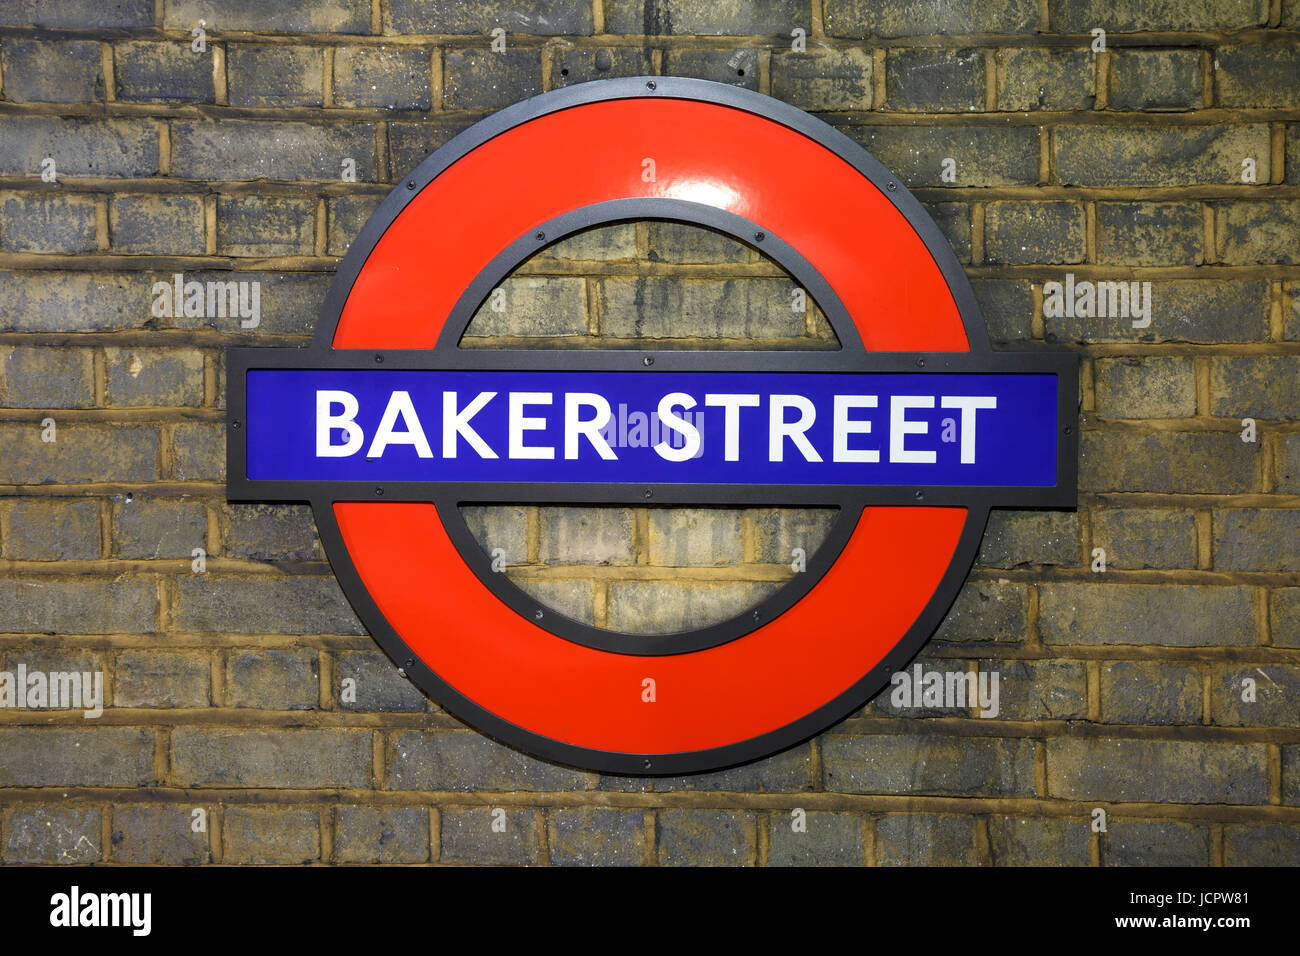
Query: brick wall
pixel 1171 157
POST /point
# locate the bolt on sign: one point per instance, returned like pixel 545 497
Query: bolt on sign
pixel 913 428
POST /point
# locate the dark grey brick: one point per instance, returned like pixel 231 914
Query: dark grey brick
pixel 953 219
pixel 410 143
pixel 160 224
pixel 307 759
pixel 396 78
pixel 51 224
pixel 1153 156
pixel 286 16
pixel 275 75
pixel 289 302
pixel 1261 844
pixel 1156 771
pixel 1138 538
pixel 734 67
pixel 1275 689
pixel 986 612
pixel 271 533
pixel 1039 690
pixel 78 14
pixel 1182 310
pixel 158 835
pixel 382 834
pixel 80 453
pixel 200 452
pixel 463 760
pixel 42 71
pixel 80 147
pixel 928 763
pixel 44 529
pixel 85 605
pixel 1169 462
pixel 482 80
pixel 58 834
pixel 292 604
pixel 46 378
pixel 158 527
pixel 468 837
pixel 720 18
pixel 1008 309
pixel 710 308
pixel 1155 80
pixel 72 301
pixel 831 839
pixel 706 837
pixel 265 226
pixel 238 149
pixel 1150 233
pixel 824 80
pixel 1038 841
pixel 1018 538
pixel 580 65
pixel 1249 233
pixel 1146 387
pixel 154 678
pixel 1162 843
pixel 274 679
pixel 1259 76
pixel 896 18
pixel 1150 692
pixel 1173 615
pixel 985 155
pixel 155 377
pixel 1257 540
pixel 558 18
pixel 934 80
pixel 261 835
pixel 1016 233
pixel 54 757
pixel 597 836
pixel 347 216
pixel 148 72
pixel 1046 79
pixel 925 839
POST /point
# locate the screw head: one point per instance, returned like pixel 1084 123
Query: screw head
pixel 650 85
pixel 538 614
pixel 379 492
pixel 379 360
pixel 540 236
pixel 234 424
pixel 760 236
pixel 648 493
pixel 648 361
pixel 920 363
pixel 891 186
pixel 410 184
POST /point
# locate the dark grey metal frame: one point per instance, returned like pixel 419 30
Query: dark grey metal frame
pixel 850 357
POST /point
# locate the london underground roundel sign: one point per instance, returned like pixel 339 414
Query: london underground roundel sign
pixel 912 429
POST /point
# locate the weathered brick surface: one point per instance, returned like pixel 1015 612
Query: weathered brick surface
pixel 1097 768
pixel 935 81
pixel 45 72
pixel 1148 692
pixel 157 834
pixel 46 835
pixel 266 835
pixel 202 757
pixel 383 835
pixel 925 839
pixel 1138 538
pixel 706 838
pixel 597 836
pixel 909 763
pixel 1158 156
pixel 829 839
pixel 1174 615
pixel 1037 841
pixel 1173 159
pixel 1155 80
pixel 1140 843
pixel 52 224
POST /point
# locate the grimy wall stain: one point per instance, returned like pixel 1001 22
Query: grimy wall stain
pixel 1148 646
